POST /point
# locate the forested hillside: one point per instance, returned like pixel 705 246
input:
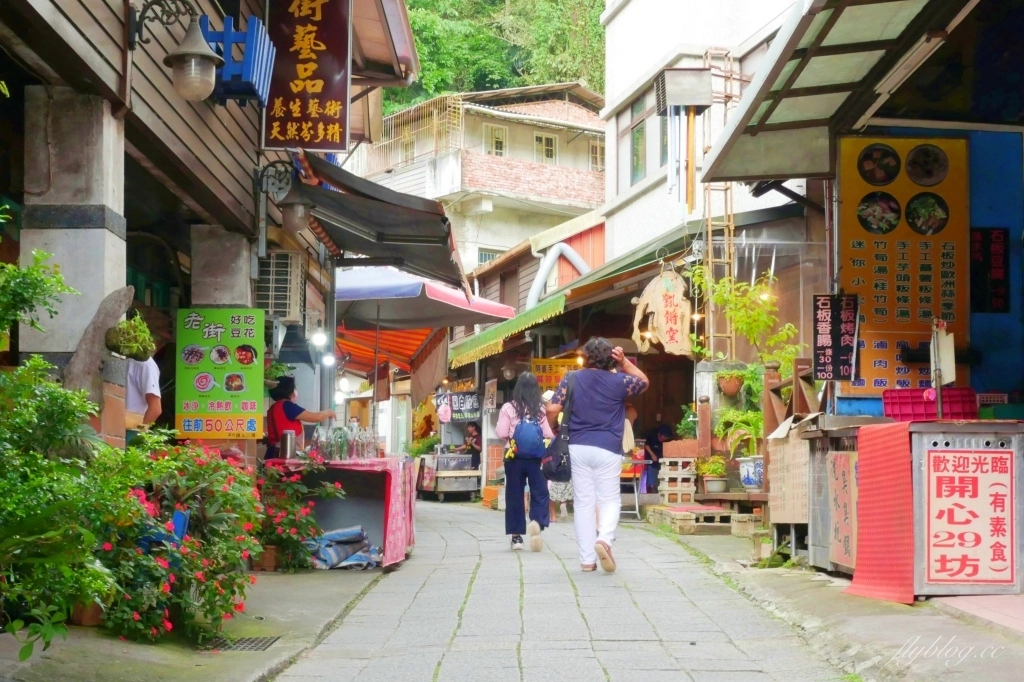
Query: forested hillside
pixel 467 45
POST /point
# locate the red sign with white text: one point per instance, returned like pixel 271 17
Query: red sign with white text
pixel 971 534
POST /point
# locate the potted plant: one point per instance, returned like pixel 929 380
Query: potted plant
pixel 686 429
pixel 742 431
pixel 713 472
pixel 131 338
pixel 730 381
pixel 752 310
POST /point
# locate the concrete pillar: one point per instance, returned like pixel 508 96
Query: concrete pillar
pixel 221 268
pixel 74 209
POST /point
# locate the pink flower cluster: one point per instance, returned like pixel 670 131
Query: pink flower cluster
pixel 140 495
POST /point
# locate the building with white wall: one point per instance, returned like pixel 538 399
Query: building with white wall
pixel 643 38
pixel 507 164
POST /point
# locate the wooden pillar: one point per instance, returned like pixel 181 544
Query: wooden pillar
pixel 772 416
pixel 704 426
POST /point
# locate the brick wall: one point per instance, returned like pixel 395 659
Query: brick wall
pixel 515 177
pixel 560 110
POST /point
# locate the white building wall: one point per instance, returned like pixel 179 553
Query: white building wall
pixel 642 38
pixel 638 33
pixel 499 230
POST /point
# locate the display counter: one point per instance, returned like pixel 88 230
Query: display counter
pixel 447 473
pixel 380 496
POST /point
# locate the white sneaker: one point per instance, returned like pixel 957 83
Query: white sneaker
pixel 517 542
pixel 536 544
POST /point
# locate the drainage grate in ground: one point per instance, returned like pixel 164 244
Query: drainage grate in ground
pixel 241 644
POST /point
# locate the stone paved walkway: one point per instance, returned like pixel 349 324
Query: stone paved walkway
pixel 466 607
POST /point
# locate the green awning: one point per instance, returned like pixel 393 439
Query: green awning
pixel 491 341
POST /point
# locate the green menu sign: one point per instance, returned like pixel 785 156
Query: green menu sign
pixel 219 373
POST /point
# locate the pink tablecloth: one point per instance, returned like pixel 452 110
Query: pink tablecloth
pixel 399 499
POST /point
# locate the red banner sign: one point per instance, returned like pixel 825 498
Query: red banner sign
pixel 309 90
pixel 971 533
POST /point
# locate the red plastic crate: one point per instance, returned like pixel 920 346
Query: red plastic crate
pixel 910 405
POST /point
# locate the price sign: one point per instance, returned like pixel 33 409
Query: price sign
pixel 835 337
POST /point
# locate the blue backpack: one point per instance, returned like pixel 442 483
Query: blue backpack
pixel 528 438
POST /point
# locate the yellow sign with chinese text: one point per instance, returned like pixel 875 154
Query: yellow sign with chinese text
pixel 904 251
pixel 550 372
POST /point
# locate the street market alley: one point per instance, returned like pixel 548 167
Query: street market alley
pixel 464 606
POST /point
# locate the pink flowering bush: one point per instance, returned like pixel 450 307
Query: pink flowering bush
pixel 165 584
pixel 289 518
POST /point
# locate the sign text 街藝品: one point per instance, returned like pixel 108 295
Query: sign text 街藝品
pixel 309 89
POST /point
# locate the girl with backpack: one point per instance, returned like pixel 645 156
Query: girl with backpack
pixel 523 425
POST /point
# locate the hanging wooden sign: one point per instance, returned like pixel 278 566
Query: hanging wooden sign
pixel 666 311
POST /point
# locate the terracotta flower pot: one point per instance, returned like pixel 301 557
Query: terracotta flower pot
pixel 87 615
pixel 730 385
pixel 268 559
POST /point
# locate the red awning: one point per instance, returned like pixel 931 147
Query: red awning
pixel 397 346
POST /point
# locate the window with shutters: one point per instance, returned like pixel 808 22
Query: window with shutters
pixel 597 155
pixel 545 149
pixel 495 139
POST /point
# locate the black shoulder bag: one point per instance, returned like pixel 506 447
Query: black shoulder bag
pixel 555 465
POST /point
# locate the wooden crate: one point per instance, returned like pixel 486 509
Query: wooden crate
pixel 701 523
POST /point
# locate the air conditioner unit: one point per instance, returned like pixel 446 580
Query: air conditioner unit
pixel 280 288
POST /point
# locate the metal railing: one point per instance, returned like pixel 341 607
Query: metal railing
pixel 422 131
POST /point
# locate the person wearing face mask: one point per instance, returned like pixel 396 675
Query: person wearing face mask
pixel 287 415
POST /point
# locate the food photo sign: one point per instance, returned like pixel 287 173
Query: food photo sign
pixel 904 250
pixel 219 373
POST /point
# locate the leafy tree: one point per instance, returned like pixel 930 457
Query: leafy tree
pixel 472 45
pixel 459 52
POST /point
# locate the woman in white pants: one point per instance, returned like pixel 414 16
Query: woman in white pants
pixel 597 416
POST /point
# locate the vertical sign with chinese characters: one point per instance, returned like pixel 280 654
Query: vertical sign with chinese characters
pixel 990 274
pixel 550 372
pixel 835 337
pixel 904 251
pixel 309 89
pixel 970 533
pixel 842 495
pixel 219 373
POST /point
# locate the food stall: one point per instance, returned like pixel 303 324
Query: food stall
pixel 446 471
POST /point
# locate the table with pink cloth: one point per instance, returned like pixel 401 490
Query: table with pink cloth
pixel 399 503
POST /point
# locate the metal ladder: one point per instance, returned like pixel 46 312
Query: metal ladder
pixel 719 219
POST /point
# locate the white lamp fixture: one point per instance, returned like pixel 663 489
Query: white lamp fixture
pixel 508 370
pixel 328 360
pixel 319 338
pixel 339 397
pixel 343 384
pixel 193 63
pixel 296 210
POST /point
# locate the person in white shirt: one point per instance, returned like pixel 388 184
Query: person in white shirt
pixel 142 394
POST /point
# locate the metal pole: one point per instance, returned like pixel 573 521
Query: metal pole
pixel 376 355
pixel 691 158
